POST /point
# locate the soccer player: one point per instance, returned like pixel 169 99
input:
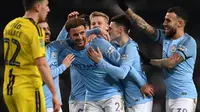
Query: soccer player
pixel 97 85
pixel 52 52
pixel 25 62
pixel 100 20
pixel 134 100
pixel 178 59
pixel 77 95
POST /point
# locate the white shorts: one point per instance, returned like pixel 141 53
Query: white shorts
pixel 76 106
pixel 114 104
pixel 51 110
pixel 181 105
pixel 145 107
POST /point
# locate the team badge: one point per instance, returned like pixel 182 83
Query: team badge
pixel 124 56
pixel 53 55
pixel 173 48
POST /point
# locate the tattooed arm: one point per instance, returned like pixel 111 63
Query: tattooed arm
pixel 167 62
pixel 140 22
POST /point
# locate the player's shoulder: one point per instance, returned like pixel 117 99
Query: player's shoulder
pixel 59 43
pixel 189 38
pixel 131 43
pixel 100 41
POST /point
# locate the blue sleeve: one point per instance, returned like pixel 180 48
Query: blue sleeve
pixel 160 36
pixel 137 77
pixel 125 59
pixel 93 31
pixel 108 51
pixel 132 55
pixel 188 48
pixel 63 34
pixel 114 71
pixel 59 70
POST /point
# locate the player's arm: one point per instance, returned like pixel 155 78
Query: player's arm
pixel 118 72
pixel 62 67
pixel 63 34
pixel 137 77
pixel 136 19
pixel 167 62
pixel 45 73
pixel 171 62
pixel 37 45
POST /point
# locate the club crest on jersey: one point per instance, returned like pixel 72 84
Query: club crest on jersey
pixel 182 48
pixel 54 55
pixel 110 50
pixel 173 48
pixel 124 56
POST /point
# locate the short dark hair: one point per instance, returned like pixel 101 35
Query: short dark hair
pixel 180 12
pixel 122 20
pixel 28 4
pixel 73 23
pixel 86 18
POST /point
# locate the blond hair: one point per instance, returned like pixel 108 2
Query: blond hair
pixel 96 13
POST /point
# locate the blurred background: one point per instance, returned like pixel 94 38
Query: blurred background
pixel 153 11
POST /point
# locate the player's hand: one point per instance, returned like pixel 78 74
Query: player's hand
pixel 96 56
pixel 91 37
pixel 73 14
pixel 68 60
pixel 105 34
pixel 146 60
pixel 147 89
pixel 122 5
pixel 56 103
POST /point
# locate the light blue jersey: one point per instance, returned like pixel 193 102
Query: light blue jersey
pixel 179 80
pixel 52 51
pixel 131 86
pixel 99 85
pixel 78 89
pixel 129 56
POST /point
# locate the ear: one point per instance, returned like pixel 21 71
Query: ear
pixel 181 23
pixel 107 27
pixel 120 29
pixel 37 7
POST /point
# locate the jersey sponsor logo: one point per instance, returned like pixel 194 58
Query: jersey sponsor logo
pixel 173 48
pixel 124 57
pixel 84 66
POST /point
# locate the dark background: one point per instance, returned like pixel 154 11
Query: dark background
pixel 153 11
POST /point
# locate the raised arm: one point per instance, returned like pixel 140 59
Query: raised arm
pixel 136 19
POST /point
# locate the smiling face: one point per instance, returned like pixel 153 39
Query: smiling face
pixel 99 22
pixel 78 36
pixel 171 24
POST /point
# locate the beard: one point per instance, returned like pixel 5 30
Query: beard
pixel 170 33
pixel 80 44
